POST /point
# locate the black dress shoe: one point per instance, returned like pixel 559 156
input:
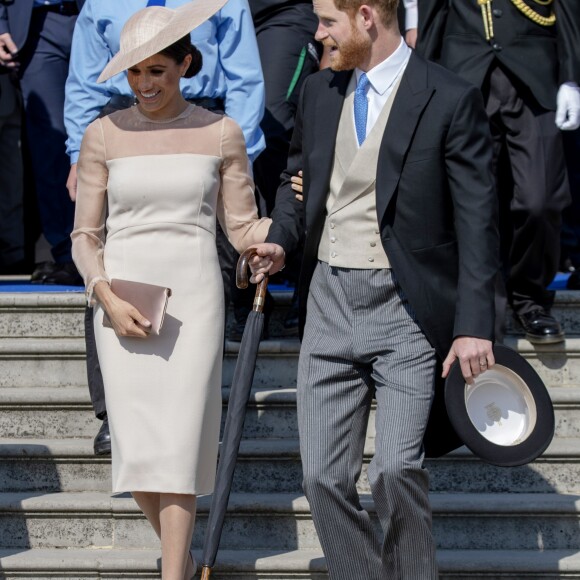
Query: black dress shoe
pixel 41 271
pixel 541 327
pixel 64 274
pixel 102 445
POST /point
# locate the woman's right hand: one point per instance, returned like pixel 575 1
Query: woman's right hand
pixel 125 319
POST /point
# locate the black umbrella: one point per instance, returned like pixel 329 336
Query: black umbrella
pixel 239 395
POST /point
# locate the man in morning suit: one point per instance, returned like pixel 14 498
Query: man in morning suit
pixel 35 41
pixel 524 56
pixel 398 275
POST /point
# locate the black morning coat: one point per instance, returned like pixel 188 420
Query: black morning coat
pixel 435 198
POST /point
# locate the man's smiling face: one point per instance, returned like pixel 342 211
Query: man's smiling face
pixel 349 46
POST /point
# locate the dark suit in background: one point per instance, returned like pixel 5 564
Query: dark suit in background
pixel 288 54
pixel 285 33
pixel 43 36
pixel 519 69
pixel 11 179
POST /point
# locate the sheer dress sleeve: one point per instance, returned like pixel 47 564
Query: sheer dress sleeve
pixel 236 208
pixel 88 236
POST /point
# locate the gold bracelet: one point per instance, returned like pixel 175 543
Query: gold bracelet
pixel 533 15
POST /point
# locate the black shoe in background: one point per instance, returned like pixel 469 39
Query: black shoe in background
pixel 41 271
pixel 540 327
pixel 64 274
pixel 102 444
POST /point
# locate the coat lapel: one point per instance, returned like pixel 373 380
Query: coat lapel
pixel 412 98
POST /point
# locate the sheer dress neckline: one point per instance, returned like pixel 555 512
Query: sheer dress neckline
pixel 185 113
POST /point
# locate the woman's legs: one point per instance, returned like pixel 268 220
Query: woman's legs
pixel 177 517
pixel 172 516
pixel 149 504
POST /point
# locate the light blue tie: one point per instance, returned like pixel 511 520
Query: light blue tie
pixel 155 3
pixel 361 108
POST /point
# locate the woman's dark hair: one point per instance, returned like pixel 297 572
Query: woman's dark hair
pixel 179 50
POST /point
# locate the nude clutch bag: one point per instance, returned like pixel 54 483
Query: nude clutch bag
pixel 150 300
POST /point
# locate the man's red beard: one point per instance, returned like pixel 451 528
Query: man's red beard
pixel 351 53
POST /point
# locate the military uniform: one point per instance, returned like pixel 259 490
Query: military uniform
pixel 518 52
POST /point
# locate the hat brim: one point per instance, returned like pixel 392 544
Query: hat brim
pixel 186 18
pixel 506 417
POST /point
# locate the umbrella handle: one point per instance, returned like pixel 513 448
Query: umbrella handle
pixel 205 573
pixel 242 279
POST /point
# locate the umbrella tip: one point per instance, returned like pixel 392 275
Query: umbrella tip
pixel 205 573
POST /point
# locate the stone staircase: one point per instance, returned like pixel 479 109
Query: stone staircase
pixel 59 520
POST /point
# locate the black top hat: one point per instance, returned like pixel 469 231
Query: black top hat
pixel 506 416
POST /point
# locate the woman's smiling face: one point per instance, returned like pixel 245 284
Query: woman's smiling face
pixel 155 82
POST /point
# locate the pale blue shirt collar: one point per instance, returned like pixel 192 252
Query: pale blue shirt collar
pixel 383 75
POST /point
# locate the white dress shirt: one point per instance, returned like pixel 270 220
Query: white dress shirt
pixel 382 79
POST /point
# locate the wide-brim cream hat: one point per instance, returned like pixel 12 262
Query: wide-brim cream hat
pixel 153 29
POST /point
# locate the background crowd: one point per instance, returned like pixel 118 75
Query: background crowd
pixel 256 57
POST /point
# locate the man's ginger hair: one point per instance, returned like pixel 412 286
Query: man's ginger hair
pixel 387 9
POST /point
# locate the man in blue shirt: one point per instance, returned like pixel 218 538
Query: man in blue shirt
pixel 230 80
pixel 231 67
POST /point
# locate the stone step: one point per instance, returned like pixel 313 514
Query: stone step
pixel 41 314
pixel 273 465
pixel 283 521
pixel 59 362
pixel 56 564
pixel 60 314
pixel 55 412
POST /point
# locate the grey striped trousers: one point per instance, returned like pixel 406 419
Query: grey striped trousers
pixel 360 339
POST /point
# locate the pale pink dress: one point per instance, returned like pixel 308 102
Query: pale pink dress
pixel 162 185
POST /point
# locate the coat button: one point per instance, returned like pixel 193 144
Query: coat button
pixel 371 259
pixel 331 225
pixel 373 244
pixel 333 255
pixel 497 46
pixel 332 240
pixel 497 12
